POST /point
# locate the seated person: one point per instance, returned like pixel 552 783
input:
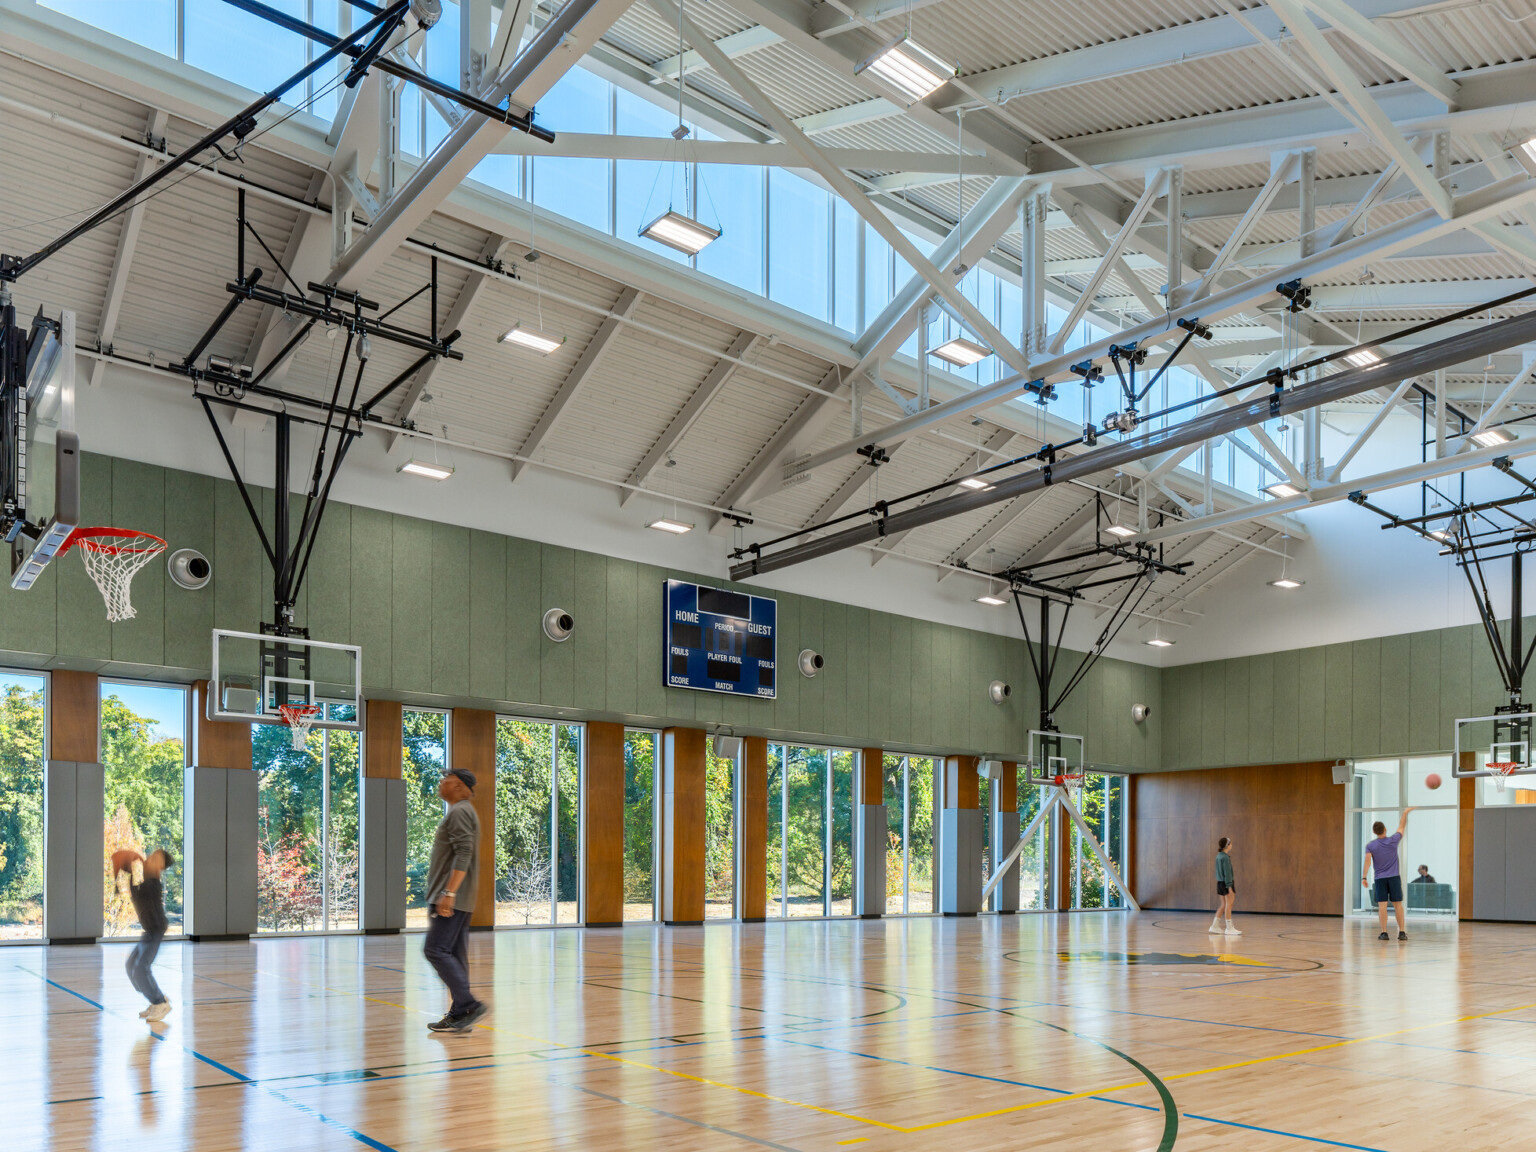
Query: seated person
pixel 1423 877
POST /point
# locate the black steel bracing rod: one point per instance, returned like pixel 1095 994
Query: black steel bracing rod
pixel 309 531
pixel 1168 362
pixel 352 322
pixel 1506 466
pixel 236 402
pixel 384 392
pixel 240 124
pixel 284 352
pixel 1133 557
pixel 285 591
pixel 272 256
pixel 266 545
pixel 219 321
pixel 1479 585
pixel 1117 620
pixel 1392 521
pixel 1441 354
pixel 1463 509
pixel 524 123
pixel 281 510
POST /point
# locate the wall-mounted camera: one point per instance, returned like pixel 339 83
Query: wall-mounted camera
pixel 1139 712
pixel 810 662
pixel 558 625
pixel 999 691
pixel 189 568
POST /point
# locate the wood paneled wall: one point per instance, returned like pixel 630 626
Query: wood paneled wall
pixel 962 787
pixel 682 811
pixel 383 740
pixel 1286 822
pixel 1008 800
pixel 217 743
pixel 472 745
pixel 871 776
pixel 1466 819
pixel 603 877
pixel 74 716
pixel 754 828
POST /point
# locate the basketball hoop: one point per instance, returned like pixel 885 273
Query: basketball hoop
pixel 1072 784
pixel 111 557
pixel 300 718
pixel 1502 770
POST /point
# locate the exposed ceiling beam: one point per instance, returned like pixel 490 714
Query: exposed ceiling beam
pixel 578 376
pixel 993 446
pixel 744 345
pixel 804 425
pixel 127 244
pixel 554 50
pixel 743 43
pixel 834 504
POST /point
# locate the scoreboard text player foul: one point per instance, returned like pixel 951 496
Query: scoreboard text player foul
pixel 720 641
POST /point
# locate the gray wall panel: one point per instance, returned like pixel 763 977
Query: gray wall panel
pixel 872 842
pixel 59 807
pixel 203 830
pixel 1005 834
pixel 240 850
pixel 394 892
pixel 1519 863
pixel 90 896
pixel 372 857
pixel 1488 863
pixel 960 840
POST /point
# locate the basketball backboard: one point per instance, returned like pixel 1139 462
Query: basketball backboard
pixel 1501 739
pixel 39 450
pixel 254 675
pixel 1053 754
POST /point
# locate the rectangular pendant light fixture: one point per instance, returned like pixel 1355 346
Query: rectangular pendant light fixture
pixel 1491 437
pixel 990 599
pixel 1159 642
pixel 536 339
pixel 667 524
pixel 1362 359
pixel 960 352
pixel 1283 490
pixel 680 232
pixel 975 484
pixel 427 469
pixel 911 69
pixel 1286 582
pixel 1120 530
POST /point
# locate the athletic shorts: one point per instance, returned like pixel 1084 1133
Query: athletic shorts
pixel 1223 888
pixel 1389 888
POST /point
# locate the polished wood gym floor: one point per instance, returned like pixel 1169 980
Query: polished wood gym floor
pixel 1089 1031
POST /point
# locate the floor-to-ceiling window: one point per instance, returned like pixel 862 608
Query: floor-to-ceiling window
pixel 1035 858
pixel 1102 803
pixel 641 755
pixel 810 831
pixel 23 701
pixel 307 827
pixel 1381 789
pixel 143 752
pixel 538 822
pixel 719 836
pixel 423 759
pixel 909 806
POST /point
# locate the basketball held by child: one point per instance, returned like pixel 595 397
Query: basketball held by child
pixel 1432 781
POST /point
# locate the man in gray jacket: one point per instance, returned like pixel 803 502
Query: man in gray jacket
pixel 451 898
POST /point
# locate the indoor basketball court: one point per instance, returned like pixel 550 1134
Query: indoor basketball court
pixel 726 573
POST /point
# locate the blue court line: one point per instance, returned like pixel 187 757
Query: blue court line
pixel 1278 1132
pixel 361 1138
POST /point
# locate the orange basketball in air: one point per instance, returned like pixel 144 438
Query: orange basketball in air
pixel 1432 781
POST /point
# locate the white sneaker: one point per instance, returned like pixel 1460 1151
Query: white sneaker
pixel 1230 930
pixel 1215 929
pixel 158 1011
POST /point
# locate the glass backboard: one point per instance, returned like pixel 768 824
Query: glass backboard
pixel 254 675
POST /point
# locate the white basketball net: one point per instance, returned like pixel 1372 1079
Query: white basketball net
pixel 111 557
pixel 1502 770
pixel 300 718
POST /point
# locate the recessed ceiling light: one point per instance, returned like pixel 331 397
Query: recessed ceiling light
pixel 960 352
pixel 680 232
pixel 911 69
pixel 1120 530
pixel 990 599
pixel 976 484
pixel 1363 358
pixel 1491 437
pixel 1283 490
pixel 666 524
pixel 1286 582
pixel 526 336
pixel 1159 642
pixel 426 468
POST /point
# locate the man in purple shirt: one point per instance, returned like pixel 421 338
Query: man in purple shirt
pixel 1382 852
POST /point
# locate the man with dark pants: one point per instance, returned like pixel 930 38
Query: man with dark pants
pixel 1382 852
pixel 148 898
pixel 451 898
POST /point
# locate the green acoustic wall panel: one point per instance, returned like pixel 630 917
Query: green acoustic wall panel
pixel 1365 703
pixel 1396 702
pixel 1338 682
pixel 452 615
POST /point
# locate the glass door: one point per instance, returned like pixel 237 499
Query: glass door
pixel 1429 853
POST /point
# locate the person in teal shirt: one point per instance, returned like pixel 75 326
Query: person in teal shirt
pixel 1226 891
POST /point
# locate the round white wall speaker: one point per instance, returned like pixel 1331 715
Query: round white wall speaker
pixel 189 568
pixel 999 691
pixel 1140 712
pixel 558 625
pixel 810 662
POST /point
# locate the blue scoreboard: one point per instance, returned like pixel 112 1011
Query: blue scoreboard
pixel 720 641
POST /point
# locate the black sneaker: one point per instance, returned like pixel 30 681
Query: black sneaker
pixel 1383 936
pixel 1402 935
pixel 446 1024
pixel 467 1021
